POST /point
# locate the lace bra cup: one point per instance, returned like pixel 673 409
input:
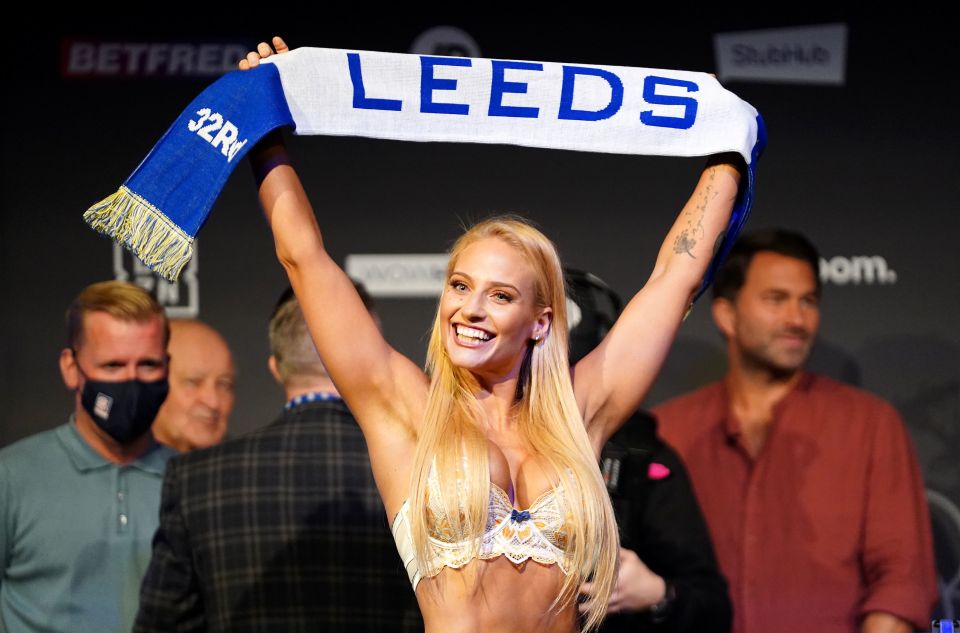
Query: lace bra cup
pixel 540 533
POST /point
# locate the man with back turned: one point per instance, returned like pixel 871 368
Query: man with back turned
pixel 281 529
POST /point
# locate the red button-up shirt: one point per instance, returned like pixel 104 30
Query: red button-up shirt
pixel 828 523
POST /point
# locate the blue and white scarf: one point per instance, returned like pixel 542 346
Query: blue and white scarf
pixel 164 203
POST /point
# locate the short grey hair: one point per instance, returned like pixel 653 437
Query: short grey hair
pixel 290 340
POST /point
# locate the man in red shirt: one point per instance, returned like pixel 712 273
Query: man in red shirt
pixel 810 487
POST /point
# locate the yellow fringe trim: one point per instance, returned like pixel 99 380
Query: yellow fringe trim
pixel 142 228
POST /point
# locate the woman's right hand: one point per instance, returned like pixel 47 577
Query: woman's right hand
pixel 252 60
pixel 271 151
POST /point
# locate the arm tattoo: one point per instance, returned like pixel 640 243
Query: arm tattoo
pixel 684 244
pixel 686 241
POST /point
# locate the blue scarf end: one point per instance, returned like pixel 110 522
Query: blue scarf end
pixel 158 211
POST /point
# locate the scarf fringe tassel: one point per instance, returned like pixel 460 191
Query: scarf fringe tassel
pixel 144 230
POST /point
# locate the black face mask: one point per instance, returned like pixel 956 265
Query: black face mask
pixel 123 410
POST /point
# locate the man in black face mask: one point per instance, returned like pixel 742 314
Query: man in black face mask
pixel 79 504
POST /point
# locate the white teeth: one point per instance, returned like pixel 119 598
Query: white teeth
pixel 469 332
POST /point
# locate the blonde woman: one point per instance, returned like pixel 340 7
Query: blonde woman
pixel 487 463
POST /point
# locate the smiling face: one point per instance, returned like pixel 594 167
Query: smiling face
pixel 490 310
pixel 772 322
pixel 201 397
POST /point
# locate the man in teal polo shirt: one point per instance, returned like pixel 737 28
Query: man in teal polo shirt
pixel 79 504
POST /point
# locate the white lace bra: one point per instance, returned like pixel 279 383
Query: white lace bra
pixel 540 532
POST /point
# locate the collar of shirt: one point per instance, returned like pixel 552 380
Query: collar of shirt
pixel 312 396
pixel 730 424
pixel 84 458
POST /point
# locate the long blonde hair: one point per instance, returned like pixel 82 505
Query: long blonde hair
pixel 454 441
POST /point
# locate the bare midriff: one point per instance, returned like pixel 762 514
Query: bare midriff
pixel 495 596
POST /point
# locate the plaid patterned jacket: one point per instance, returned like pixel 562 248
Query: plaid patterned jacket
pixel 279 530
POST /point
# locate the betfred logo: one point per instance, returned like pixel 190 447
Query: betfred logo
pixel 148 59
pixel 859 269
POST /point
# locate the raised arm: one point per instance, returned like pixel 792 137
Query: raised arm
pixel 379 385
pixel 611 381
